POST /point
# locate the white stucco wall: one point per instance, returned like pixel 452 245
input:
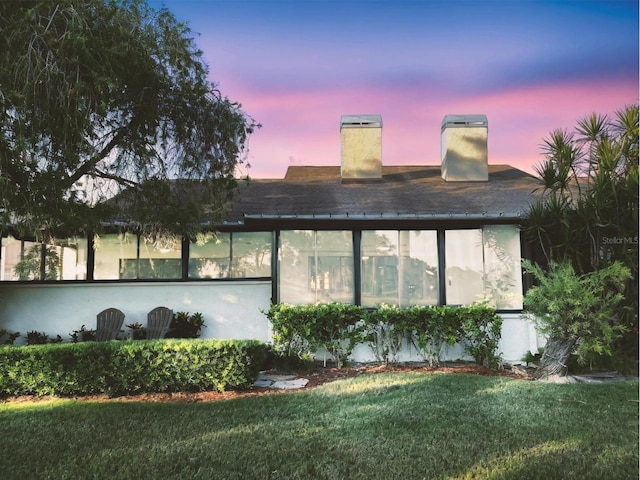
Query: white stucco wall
pixel 230 309
pixel 518 336
pixel 363 353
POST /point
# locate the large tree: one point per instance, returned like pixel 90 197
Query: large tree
pixel 588 217
pixel 99 96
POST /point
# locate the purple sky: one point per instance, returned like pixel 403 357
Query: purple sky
pixel 296 66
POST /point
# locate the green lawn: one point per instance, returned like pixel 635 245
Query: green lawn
pixel 383 426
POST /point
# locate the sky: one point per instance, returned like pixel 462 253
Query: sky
pixel 297 66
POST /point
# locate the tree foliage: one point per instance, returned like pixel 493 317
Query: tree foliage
pixel 589 209
pixel 98 96
pixel 578 309
pixel 588 212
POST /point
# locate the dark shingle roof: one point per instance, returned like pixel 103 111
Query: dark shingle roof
pixel 402 192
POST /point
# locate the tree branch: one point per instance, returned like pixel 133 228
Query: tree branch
pixel 117 178
pixel 86 167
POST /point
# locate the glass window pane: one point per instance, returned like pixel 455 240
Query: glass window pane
pixel 69 258
pixel 160 258
pixel 418 268
pixel 315 267
pixel 209 256
pixel 65 259
pixel 331 269
pixel 295 284
pixel 503 274
pixel 399 267
pixel 484 265
pixel 21 260
pixel 463 257
pixel 9 256
pixel 251 252
pixel 115 256
pixel 379 267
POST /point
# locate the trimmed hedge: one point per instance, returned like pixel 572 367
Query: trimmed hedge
pixel 120 368
pixel 302 329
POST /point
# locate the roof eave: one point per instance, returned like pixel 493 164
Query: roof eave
pixel 389 216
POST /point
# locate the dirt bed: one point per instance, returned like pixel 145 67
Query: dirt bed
pixel 316 377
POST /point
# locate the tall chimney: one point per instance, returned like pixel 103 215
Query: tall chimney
pixel 464 148
pixel 361 146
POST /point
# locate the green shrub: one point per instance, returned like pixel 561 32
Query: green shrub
pixel 432 328
pixel 302 329
pixel 291 330
pixel 83 335
pixel 386 328
pixel 480 333
pixel 532 358
pixel 7 338
pixel 118 368
pixel 36 338
pixel 137 331
pixel 185 325
pixel 579 309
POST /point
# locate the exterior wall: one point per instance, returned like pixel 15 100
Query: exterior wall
pixel 363 353
pixel 230 309
pixel 518 337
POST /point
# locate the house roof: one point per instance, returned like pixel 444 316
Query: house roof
pixel 403 193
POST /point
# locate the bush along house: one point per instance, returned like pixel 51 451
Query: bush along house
pixel 361 233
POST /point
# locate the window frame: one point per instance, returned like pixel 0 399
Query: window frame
pixel 91 262
pixel 355 229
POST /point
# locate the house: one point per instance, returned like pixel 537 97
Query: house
pixel 361 232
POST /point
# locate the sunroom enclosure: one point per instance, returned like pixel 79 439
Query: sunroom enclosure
pixel 231 277
pixel 365 267
pixel 401 267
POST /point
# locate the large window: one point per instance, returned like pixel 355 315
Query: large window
pixel 484 264
pixel 231 255
pixel 211 256
pixel 62 259
pixel 399 267
pixel 316 267
pixel 128 256
pixel 402 267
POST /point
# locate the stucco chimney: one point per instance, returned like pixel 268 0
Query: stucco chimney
pixel 464 148
pixel 361 146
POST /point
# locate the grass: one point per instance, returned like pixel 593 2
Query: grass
pixel 385 426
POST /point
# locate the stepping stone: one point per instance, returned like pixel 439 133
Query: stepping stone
pixel 277 378
pixel 290 384
pixel 264 383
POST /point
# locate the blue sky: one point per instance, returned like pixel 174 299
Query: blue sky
pixel 530 66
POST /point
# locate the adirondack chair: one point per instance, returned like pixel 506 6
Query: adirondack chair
pixel 158 322
pixel 109 323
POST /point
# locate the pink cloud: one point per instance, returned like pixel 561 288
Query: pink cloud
pixel 303 128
